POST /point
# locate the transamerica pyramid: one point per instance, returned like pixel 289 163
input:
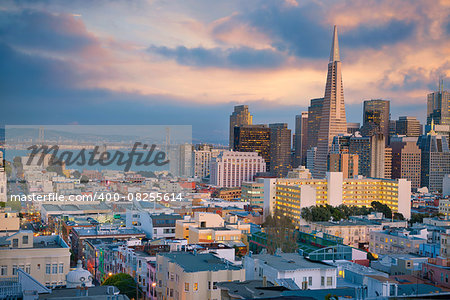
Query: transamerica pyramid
pixel 333 120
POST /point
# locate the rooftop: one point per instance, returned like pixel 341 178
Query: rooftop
pixel 290 262
pixel 193 262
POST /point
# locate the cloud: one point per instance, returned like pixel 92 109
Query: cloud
pixel 242 57
pixel 39 30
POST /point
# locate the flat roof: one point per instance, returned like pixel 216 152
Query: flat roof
pixel 195 262
pixel 290 262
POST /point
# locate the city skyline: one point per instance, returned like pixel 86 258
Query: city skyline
pixel 214 59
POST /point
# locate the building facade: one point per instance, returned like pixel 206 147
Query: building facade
pixel 240 116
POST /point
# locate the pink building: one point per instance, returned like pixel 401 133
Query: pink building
pixel 437 270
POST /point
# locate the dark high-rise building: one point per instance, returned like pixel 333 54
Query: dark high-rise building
pixel 376 118
pixel 435 160
pixel 438 106
pixel 280 149
pixel 253 138
pixel 314 116
pixel 300 139
pixel 408 126
pixel 333 120
pixel 240 116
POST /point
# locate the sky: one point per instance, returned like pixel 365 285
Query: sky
pixel 189 62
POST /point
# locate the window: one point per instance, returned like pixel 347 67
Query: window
pixel 28 269
pixel 61 268
pixel 215 285
pixel 4 270
pixel 209 285
pixel 171 293
pixel 47 269
pixel 25 239
pixel 55 269
pixel 322 280
pixel 329 280
pixel 186 286
pixel 196 286
pixel 14 270
pixel 15 243
pixel 310 280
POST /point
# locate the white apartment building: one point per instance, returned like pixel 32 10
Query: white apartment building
pixel 202 161
pixel 193 276
pixel 230 168
pixel 277 268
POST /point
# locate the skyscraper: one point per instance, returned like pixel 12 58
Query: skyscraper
pixel 280 149
pixel 408 126
pixel 435 159
pixel 314 116
pixel 438 106
pixel 253 138
pixel 333 120
pixel 300 139
pixel 406 159
pixel 240 116
pixel 376 118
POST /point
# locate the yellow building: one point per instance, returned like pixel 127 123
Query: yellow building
pixel 209 228
pixel 45 258
pixel 291 195
pixel 9 222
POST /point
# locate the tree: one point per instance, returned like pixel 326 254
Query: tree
pixel 281 233
pixel 383 208
pixel 399 216
pixel 125 283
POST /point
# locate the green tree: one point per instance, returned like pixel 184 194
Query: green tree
pixel 125 283
pixel 383 208
pixel 281 233
pixel 84 179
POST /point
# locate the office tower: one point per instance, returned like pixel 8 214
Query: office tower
pixel 438 106
pixel 289 196
pixel 343 162
pixel 376 118
pixel 406 159
pixel 371 152
pixel 392 128
pixel 333 120
pixel 435 159
pixel 311 156
pixel 352 128
pixel 230 169
pixel 280 149
pixel 253 138
pixel 253 192
pixel 202 161
pixel 180 160
pixel 408 126
pixel 387 163
pixel 300 139
pixel 240 116
pixel 314 116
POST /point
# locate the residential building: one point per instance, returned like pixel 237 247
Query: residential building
pixel 253 192
pixel 228 194
pixel 284 267
pixel 408 126
pixel 240 116
pixel 333 120
pixel 192 276
pixel 202 162
pixel 300 139
pixel 400 264
pixel 45 258
pixel 394 241
pixel 387 163
pixel 230 168
pixel 406 159
pixel 280 149
pixel 437 270
pixel 9 221
pixel 291 195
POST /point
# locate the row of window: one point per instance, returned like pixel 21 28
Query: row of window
pixel 49 269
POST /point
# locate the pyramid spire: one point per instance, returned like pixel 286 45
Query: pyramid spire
pixel 334 54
